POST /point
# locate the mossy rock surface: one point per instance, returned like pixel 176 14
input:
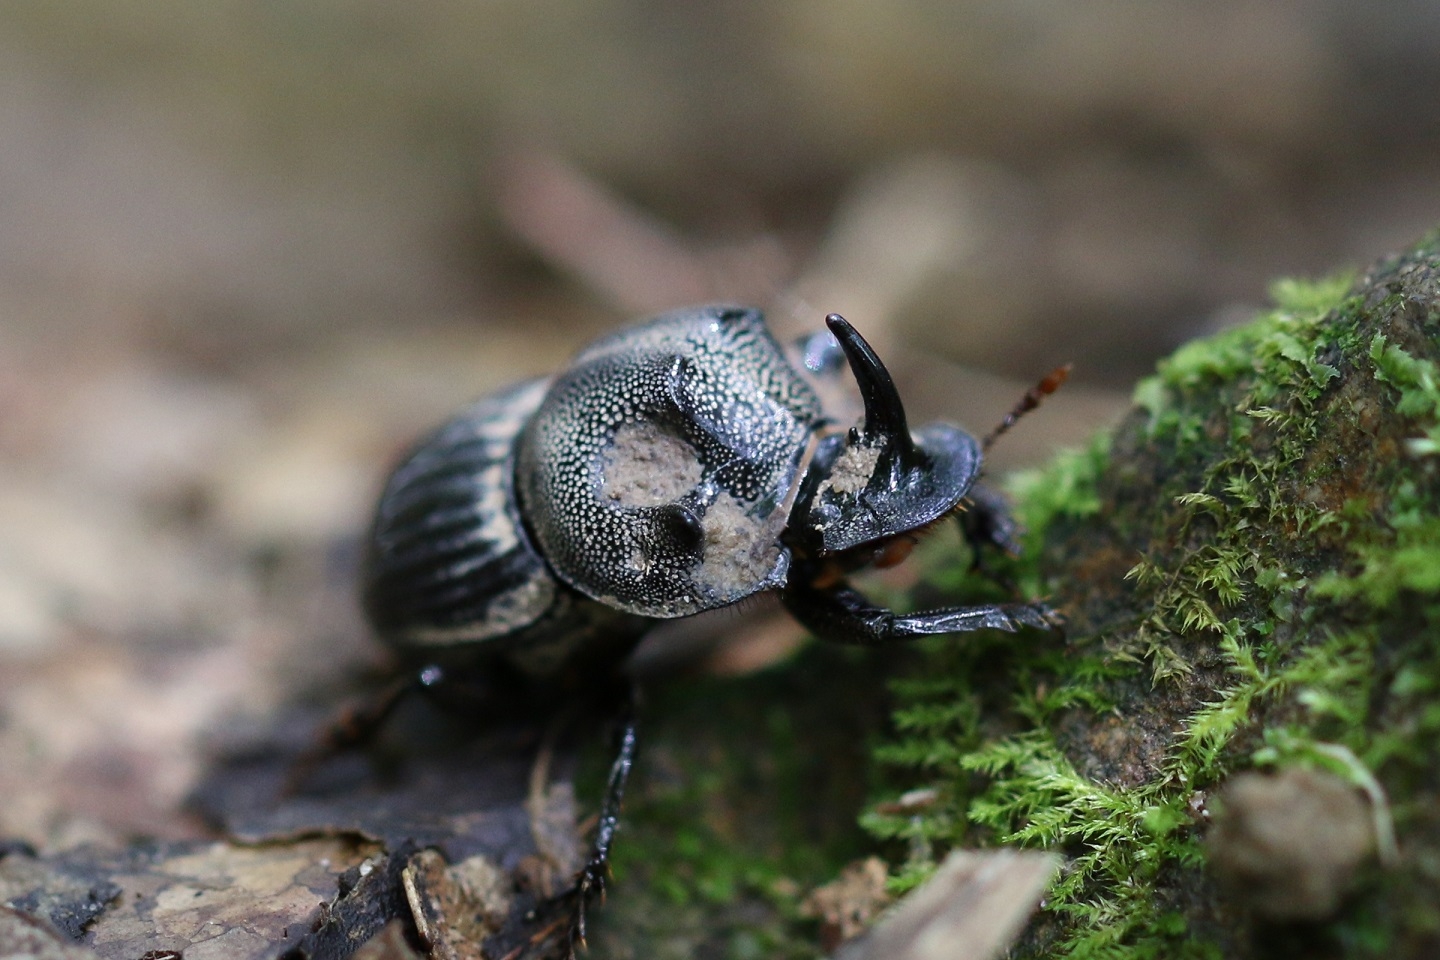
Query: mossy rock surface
pixel 1250 564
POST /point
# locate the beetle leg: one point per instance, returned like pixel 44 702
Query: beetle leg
pixel 987 522
pixel 591 880
pixel 843 615
pixel 352 727
pixel 359 724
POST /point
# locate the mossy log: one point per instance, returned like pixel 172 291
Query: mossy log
pixel 1235 745
pixel 1250 564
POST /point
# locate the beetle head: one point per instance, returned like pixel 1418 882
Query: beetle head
pixel 879 480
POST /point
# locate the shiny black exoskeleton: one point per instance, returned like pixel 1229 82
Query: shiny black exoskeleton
pixel 675 467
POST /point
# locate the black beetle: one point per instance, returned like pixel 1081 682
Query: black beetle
pixel 675 467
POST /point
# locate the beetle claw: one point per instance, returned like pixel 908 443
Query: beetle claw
pixel 590 882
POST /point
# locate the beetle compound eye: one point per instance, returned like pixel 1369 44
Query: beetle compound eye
pixel 895 552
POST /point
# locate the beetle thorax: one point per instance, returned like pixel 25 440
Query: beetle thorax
pixel 658 474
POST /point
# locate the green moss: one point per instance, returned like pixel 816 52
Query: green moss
pixel 1251 564
pixel 742 801
pixel 1419 387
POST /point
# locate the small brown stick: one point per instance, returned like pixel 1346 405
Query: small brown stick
pixel 1029 402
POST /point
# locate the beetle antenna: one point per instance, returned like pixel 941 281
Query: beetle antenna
pixel 884 413
pixel 1030 401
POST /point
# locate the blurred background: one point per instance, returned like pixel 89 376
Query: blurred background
pixel 248 250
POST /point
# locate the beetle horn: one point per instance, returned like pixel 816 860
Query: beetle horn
pixel 884 413
pixel 880 481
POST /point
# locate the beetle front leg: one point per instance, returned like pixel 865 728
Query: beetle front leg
pixel 987 522
pixel 591 880
pixel 843 615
